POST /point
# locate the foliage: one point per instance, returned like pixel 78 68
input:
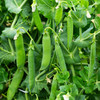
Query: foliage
pixel 63 39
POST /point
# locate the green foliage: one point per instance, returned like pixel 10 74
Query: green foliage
pixel 63 58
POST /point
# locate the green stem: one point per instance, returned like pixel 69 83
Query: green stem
pixel 26 95
pixel 39 75
pixel 23 3
pixel 3 19
pixel 4 50
pixel 80 32
pixel 14 21
pixel 39 39
pixel 73 70
pixel 11 47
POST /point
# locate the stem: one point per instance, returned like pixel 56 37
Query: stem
pixel 80 32
pixel 50 73
pixel 14 21
pixel 63 46
pixel 3 19
pixel 39 75
pixel 39 39
pixel 73 6
pixel 5 50
pixel 11 47
pixel 73 70
pixel 23 3
pixel 66 3
pixel 26 95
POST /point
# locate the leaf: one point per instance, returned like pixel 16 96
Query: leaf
pixel 84 74
pixel 5 53
pixel 62 78
pixel 46 9
pixel 80 97
pixel 22 22
pixel 1 87
pixel 73 56
pixel 85 40
pixel 78 81
pixel 9 32
pixel 13 6
pixel 74 90
pixel 39 86
pixel 79 18
pixel 3 75
pixel 97 22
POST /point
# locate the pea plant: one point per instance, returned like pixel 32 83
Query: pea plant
pixel 49 50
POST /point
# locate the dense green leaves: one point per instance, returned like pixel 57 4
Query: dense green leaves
pixel 63 58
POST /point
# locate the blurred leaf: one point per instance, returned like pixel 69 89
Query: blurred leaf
pixel 62 78
pixel 46 9
pixel 85 40
pixel 13 7
pixel 39 86
pixel 9 32
pixel 3 75
pixel 80 97
pixel 97 22
pixel 79 18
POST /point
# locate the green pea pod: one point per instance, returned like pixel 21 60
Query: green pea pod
pixel 69 31
pixel 37 20
pixel 60 57
pixel 92 58
pixel 53 89
pixel 46 51
pixel 58 15
pixel 31 67
pixel 20 51
pixel 14 84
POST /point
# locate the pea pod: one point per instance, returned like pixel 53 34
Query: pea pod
pixel 20 51
pixel 58 15
pixel 31 67
pixel 46 51
pixel 53 89
pixel 37 20
pixel 14 84
pixel 60 57
pixel 92 58
pixel 69 31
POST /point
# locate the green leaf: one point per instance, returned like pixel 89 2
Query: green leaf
pixel 13 6
pixel 97 22
pixel 62 78
pixel 9 32
pixel 80 97
pixel 46 9
pixel 85 40
pixel 73 56
pixel 39 86
pixel 74 90
pixel 22 22
pixel 79 18
pixel 1 86
pixel 5 53
pixel 3 75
